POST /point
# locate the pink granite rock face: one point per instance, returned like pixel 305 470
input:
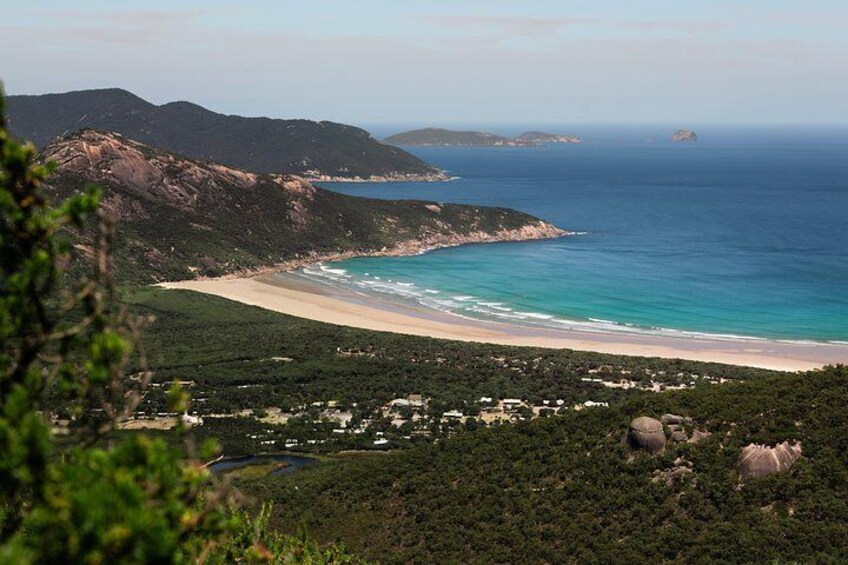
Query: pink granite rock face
pixel 647 434
pixel 761 460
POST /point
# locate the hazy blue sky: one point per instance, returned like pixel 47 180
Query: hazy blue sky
pixel 446 61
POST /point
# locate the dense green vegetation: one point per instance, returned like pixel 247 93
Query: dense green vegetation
pixel 220 344
pixel 65 342
pixel 438 136
pixel 261 145
pixel 567 489
pixel 228 349
pixel 187 218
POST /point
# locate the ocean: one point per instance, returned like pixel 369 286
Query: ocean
pixel 742 233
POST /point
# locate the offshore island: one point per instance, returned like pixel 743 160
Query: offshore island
pixel 448 138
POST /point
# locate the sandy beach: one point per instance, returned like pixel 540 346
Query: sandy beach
pixel 293 295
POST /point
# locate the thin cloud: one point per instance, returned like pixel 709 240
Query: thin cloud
pixel 677 25
pixel 822 20
pixel 154 17
pixel 513 25
pixel 82 28
pixel 135 18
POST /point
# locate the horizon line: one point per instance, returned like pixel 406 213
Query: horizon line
pixel 438 123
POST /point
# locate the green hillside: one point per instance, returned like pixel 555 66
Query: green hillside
pixel 256 144
pixel 569 490
pixel 439 136
pixel 179 218
pixel 240 357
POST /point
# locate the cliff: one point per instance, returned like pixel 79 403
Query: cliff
pixel 323 150
pixel 180 218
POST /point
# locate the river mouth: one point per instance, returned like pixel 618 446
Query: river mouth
pixel 288 463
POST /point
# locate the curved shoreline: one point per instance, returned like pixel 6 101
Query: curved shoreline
pixel 296 296
pixel 533 231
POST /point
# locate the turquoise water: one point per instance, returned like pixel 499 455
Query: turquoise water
pixel 743 233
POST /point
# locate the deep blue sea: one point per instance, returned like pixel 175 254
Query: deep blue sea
pixel 744 232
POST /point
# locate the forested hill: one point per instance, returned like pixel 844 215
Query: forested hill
pixel 313 149
pixel 446 137
pixel 438 136
pixel 570 489
pixel 179 218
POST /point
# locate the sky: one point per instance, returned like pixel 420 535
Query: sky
pixel 442 62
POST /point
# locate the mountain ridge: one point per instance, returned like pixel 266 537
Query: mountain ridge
pixel 181 218
pixel 321 150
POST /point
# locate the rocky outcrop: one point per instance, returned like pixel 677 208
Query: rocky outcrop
pixel 760 460
pixel 676 428
pixel 110 157
pixel 647 434
pixel 532 231
pixel 188 218
pixel 698 436
pixel 684 135
pixel 679 435
pixel 539 230
pixel 679 469
pixel 170 179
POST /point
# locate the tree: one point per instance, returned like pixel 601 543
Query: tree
pixel 94 498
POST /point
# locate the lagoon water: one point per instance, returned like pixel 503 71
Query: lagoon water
pixel 743 233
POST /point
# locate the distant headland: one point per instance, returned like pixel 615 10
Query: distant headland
pixel 445 137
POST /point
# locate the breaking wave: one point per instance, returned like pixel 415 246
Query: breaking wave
pixel 474 307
